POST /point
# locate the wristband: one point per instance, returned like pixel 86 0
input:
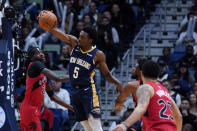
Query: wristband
pixel 124 123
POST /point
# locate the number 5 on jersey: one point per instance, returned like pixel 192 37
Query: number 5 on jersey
pixel 76 72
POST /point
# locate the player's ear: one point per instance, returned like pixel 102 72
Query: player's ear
pixel 91 40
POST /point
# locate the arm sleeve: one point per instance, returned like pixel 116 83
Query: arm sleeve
pixel 35 69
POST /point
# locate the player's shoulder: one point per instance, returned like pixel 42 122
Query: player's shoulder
pixel 146 87
pixel 99 55
pixel 133 84
pixel 99 52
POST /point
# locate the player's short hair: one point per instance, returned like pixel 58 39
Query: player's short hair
pixel 91 32
pixel 141 62
pixel 31 51
pixel 151 69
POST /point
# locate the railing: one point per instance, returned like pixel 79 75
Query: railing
pixel 129 57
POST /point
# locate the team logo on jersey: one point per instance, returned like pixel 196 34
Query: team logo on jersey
pixel 2 117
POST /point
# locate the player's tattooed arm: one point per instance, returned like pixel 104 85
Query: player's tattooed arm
pixel 101 61
pixel 70 39
pixel 51 75
pixel 144 94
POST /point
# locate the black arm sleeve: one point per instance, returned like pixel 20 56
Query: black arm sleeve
pixel 35 69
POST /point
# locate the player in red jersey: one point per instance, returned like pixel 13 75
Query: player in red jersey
pixel 130 87
pixel 155 107
pixel 36 82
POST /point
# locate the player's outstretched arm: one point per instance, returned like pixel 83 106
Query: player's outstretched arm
pixel 130 88
pixel 51 75
pixel 55 98
pixel 70 39
pixel 100 60
pixel 176 115
pixel 144 94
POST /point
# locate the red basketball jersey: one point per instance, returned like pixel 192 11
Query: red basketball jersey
pixel 35 90
pixel 159 115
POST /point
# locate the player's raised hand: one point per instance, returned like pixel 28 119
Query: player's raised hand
pixel 40 14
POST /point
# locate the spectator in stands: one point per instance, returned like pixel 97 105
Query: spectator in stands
pixel 79 5
pixel 102 5
pixel 136 126
pixel 138 8
pixel 187 34
pixel 107 42
pixel 125 25
pixel 183 79
pixel 69 5
pixel 78 28
pixel 187 116
pixel 93 12
pixel 187 127
pixel 163 71
pixel 190 35
pixel 192 13
pixel 165 58
pixel 88 20
pixel 191 60
pixel 176 96
pixel 126 114
pixel 189 57
pixel 193 101
pixel 116 18
pixel 107 14
pixel 174 80
pixel 60 113
pixel 63 60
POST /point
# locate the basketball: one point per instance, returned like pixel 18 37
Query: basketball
pixel 47 20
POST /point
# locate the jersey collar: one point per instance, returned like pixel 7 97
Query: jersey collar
pixel 84 52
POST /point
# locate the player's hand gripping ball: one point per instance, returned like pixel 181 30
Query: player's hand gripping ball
pixel 47 20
